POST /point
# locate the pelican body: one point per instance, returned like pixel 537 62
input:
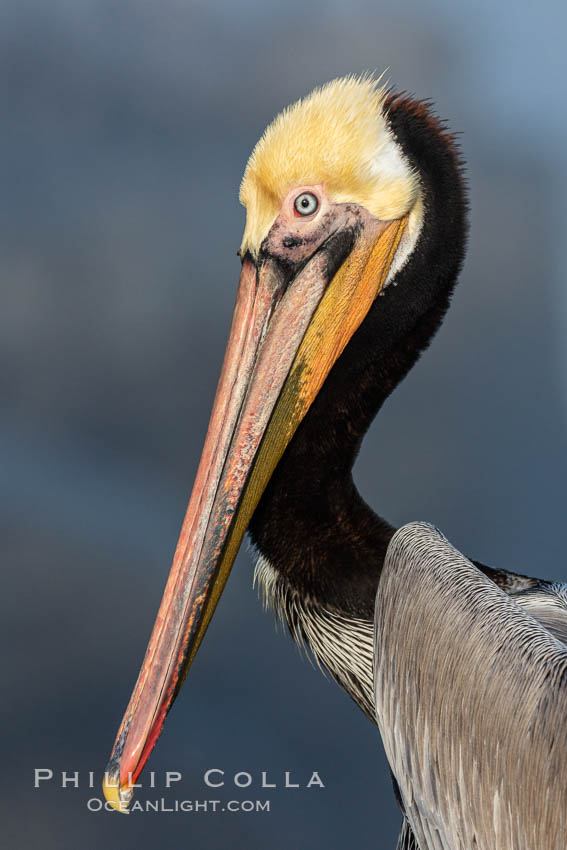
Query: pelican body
pixel 355 234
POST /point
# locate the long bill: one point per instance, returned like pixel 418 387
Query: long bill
pixel 287 331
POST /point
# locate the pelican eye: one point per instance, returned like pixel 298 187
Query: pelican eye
pixel 306 204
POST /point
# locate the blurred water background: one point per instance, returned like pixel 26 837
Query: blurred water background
pixel 125 130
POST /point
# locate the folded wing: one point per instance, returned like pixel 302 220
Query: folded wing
pixel 471 700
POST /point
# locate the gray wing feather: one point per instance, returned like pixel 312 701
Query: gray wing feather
pixel 406 838
pixel 548 604
pixel 471 702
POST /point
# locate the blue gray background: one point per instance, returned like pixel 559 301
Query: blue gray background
pixel 125 130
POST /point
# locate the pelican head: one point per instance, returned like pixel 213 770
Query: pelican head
pixel 333 209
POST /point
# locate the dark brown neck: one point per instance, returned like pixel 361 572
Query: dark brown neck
pixel 311 524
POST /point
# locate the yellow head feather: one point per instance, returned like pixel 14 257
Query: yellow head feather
pixel 338 136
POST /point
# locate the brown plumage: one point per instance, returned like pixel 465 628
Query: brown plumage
pixel 471 701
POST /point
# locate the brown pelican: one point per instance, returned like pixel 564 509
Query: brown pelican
pixel 355 234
